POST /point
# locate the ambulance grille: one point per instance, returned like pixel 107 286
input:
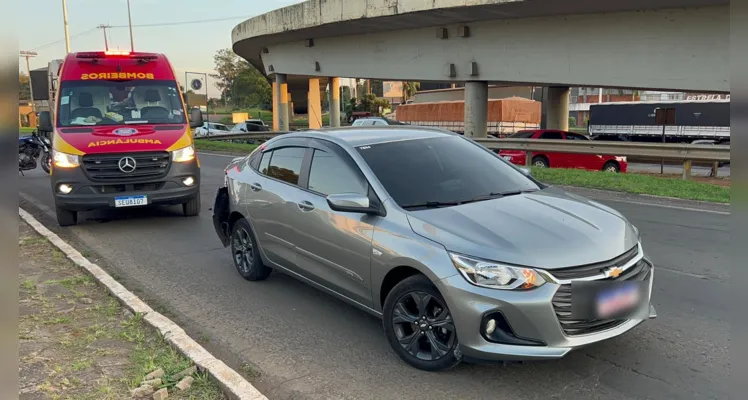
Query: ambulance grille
pixel 105 167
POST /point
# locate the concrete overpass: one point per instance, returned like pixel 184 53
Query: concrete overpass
pixel 645 44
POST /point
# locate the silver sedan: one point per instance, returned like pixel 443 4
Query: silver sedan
pixel 461 254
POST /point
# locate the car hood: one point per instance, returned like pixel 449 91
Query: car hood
pixel 546 229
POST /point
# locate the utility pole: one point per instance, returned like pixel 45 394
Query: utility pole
pixel 65 20
pixel 129 22
pixel 27 55
pixel 106 42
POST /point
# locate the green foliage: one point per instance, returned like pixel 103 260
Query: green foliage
pixel 24 92
pixel 240 83
pixel 572 122
pixel 410 89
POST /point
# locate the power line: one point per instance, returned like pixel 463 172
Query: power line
pixel 202 21
pixel 62 40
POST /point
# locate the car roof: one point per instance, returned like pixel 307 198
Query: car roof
pixel 360 136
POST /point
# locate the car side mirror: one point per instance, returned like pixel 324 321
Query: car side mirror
pixel 45 122
pixel 526 171
pixel 351 202
pixel 196 118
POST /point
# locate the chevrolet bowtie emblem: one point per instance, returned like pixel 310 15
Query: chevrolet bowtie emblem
pixel 613 272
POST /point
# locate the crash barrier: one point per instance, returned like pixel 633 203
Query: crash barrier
pixel 685 153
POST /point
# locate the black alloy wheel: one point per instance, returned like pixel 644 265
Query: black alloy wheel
pixel 419 325
pixel 245 253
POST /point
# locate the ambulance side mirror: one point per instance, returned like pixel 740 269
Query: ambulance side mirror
pixel 45 122
pixel 196 118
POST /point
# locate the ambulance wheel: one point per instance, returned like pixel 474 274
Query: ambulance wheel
pixel 66 217
pixel 192 207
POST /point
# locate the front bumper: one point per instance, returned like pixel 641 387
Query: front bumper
pixel 530 316
pixel 90 195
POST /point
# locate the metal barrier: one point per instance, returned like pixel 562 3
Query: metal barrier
pixel 685 153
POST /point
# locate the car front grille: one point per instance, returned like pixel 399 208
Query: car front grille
pixel 589 270
pixel 105 167
pixel 562 302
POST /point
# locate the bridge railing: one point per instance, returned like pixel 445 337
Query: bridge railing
pixel 685 153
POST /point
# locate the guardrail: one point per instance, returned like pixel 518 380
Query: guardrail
pixel 685 153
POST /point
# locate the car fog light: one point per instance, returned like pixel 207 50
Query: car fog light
pixel 189 181
pixel 64 188
pixel 490 326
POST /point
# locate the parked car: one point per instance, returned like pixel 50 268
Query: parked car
pixel 376 121
pixel 250 125
pixel 592 162
pixel 440 238
pixel 209 129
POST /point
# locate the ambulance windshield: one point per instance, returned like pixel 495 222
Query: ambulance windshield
pixel 102 102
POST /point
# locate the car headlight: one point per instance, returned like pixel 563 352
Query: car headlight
pixel 621 159
pixel 64 160
pixel 184 154
pixel 496 275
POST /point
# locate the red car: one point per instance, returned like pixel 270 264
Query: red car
pixel 592 162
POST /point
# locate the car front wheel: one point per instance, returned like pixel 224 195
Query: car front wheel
pixel 419 325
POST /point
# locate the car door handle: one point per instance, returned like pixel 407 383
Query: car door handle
pixel 256 187
pixel 305 206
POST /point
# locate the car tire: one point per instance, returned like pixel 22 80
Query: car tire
pixel 540 162
pixel 192 207
pixel 429 343
pixel 66 217
pixel 612 166
pixel 246 254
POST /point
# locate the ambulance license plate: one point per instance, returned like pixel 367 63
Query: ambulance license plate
pixel 130 201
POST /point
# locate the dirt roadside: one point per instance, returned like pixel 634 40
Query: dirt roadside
pixel 77 342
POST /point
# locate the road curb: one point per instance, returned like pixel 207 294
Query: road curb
pixel 233 385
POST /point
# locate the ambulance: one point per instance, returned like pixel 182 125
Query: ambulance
pixel 121 135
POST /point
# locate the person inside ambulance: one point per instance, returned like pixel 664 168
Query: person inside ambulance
pixel 120 98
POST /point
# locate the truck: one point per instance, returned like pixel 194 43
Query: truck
pixel 635 121
pixel 121 134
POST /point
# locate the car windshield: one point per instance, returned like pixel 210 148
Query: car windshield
pixel 442 171
pixel 103 102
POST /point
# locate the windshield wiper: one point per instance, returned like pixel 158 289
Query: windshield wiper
pixel 431 204
pixel 497 195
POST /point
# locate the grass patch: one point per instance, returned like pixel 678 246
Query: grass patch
pixel 634 183
pixel 28 284
pixel 72 281
pixel 32 241
pixel 24 130
pixel 224 147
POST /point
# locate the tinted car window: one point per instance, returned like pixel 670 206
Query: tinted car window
pixel 265 162
pixel 551 135
pixel 522 135
pixel 446 170
pixel 285 164
pixel 329 174
pixel 575 136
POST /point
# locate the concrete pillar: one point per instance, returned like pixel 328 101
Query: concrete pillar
pixel 334 102
pixel 476 109
pixel 282 87
pixel 314 105
pixel 276 104
pixel 558 108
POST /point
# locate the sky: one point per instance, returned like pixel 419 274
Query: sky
pixel 189 47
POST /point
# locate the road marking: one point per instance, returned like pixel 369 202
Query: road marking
pixel 692 275
pixel 232 383
pixel 217 155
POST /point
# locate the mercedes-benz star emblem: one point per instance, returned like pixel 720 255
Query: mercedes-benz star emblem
pixel 126 164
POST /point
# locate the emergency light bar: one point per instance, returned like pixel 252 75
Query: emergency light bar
pixel 113 53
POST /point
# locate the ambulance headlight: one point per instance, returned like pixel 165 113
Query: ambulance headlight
pixel 184 154
pixel 64 160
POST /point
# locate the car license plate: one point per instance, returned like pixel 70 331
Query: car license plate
pixel 130 201
pixel 617 300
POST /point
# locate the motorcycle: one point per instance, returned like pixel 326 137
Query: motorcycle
pixel 31 148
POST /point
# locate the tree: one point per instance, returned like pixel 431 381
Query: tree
pixel 410 89
pixel 240 83
pixel 24 92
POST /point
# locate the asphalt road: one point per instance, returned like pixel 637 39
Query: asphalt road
pixel 308 345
